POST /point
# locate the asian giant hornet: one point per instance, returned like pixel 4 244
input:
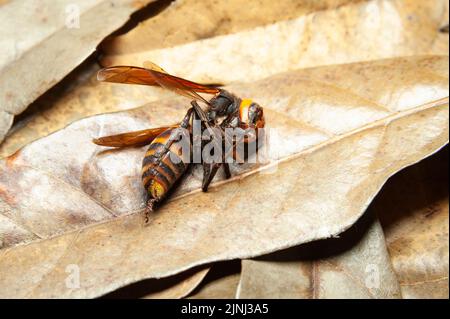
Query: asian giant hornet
pixel 159 169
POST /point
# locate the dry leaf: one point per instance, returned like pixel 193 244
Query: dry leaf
pixel 338 144
pixel 221 282
pixel 80 95
pixel 42 41
pixel 174 287
pixel 355 265
pixel 222 288
pixel 414 213
pixel 181 288
pixel 189 20
pixel 357 32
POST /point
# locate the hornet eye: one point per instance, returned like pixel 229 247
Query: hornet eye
pixel 253 112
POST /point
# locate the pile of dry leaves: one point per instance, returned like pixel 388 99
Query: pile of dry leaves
pixel 356 91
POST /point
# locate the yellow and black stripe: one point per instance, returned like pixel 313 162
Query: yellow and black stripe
pixel 162 165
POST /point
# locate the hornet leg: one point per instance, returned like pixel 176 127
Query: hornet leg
pixel 226 168
pixel 226 165
pixel 200 113
pixel 209 171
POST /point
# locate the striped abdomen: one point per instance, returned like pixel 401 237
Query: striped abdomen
pixel 163 164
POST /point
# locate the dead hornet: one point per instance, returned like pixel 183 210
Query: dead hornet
pixel 163 163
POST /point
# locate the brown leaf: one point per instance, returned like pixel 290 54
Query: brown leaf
pixel 414 213
pixel 181 288
pixel 81 95
pixel 42 43
pixel 189 20
pixel 355 265
pixel 360 31
pixel 220 283
pixel 173 287
pixel 74 203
